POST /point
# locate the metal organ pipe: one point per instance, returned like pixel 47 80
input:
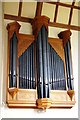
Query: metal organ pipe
pixel 13 61
pixel 57 75
pixel 43 63
pixel 26 69
pixel 39 66
pixel 67 50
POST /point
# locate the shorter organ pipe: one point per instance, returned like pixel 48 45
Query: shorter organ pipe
pixel 26 69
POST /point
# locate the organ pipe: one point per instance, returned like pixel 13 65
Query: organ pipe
pixel 26 69
pixel 13 61
pixel 68 65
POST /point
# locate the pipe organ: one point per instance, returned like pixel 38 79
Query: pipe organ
pixel 39 68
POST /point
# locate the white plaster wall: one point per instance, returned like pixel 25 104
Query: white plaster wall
pixel 31 113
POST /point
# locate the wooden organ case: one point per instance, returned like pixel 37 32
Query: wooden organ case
pixel 39 68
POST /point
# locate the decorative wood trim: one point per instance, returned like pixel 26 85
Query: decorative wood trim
pixel 38 22
pixel 12 92
pixel 71 11
pixel 13 27
pixel 57 44
pixel 24 42
pixel 65 35
pixel 58 99
pixel 70 93
pixel 20 8
pixel 52 24
pixel 39 8
pixel 44 103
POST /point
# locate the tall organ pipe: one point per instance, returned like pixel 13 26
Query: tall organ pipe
pixel 13 61
pixel 68 64
pixel 43 75
pixel 39 66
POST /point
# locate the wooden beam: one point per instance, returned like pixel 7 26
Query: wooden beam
pixel 52 24
pixel 61 25
pixel 39 8
pixel 71 11
pixel 64 5
pixel 17 18
pixel 56 12
pixel 20 8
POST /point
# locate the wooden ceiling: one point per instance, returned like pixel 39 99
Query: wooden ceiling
pixel 54 23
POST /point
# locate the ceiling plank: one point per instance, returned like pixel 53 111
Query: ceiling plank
pixel 71 12
pixel 65 5
pixel 56 12
pixel 39 8
pixel 20 8
pixel 52 24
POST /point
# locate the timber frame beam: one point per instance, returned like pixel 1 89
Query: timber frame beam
pixel 39 11
pixel 52 24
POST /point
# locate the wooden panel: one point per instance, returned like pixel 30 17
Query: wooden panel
pixel 27 95
pixel 60 99
pixel 24 42
pixel 57 44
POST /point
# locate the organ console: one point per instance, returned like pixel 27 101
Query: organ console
pixel 39 68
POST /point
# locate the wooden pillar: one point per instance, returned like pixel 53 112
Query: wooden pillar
pixel 13 31
pixel 65 35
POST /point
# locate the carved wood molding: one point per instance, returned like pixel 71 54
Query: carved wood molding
pixel 38 22
pixel 65 35
pixel 44 103
pixel 13 27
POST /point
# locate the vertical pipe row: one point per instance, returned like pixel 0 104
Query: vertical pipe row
pixel 57 75
pixel 26 69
